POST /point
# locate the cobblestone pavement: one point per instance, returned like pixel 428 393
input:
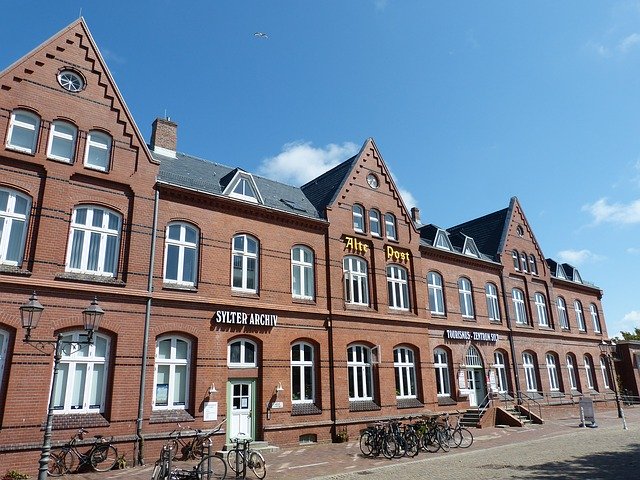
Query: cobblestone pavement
pixel 559 449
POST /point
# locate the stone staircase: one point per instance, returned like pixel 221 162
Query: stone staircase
pixel 471 418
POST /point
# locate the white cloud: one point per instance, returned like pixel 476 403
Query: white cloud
pixel 629 42
pixel 380 4
pixel 633 250
pixel 603 211
pixel 408 198
pixel 630 321
pixel 578 257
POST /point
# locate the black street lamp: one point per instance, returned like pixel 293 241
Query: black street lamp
pixel 608 349
pixel 30 314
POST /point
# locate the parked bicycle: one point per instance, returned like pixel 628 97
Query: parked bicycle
pixel 211 467
pixel 101 457
pixel 241 457
pixel 459 436
pixel 193 448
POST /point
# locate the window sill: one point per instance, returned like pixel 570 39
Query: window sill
pixel 20 150
pixel 303 301
pixel 78 420
pixel 305 409
pixel 409 403
pixel 85 277
pixel 66 161
pixel 357 307
pixel 445 401
pixel 14 270
pixel 237 293
pixel 363 406
pixel 170 416
pixel 178 287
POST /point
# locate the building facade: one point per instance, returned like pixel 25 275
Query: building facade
pixel 292 314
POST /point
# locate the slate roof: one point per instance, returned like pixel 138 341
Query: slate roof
pixel 487 231
pixel 209 178
pixel 428 237
pixel 322 191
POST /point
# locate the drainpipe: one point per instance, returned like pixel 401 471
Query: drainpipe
pixel 512 346
pixel 145 344
pixel 329 326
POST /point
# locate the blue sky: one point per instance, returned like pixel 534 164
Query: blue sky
pixel 470 103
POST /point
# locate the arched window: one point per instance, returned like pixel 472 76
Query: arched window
pixel 94 241
pixel 441 365
pixel 533 265
pixel 571 369
pixel 552 370
pixel 181 254
pixel 173 355
pixel 466 298
pixel 472 358
pixel 562 313
pixel 519 306
pixel 577 306
pixel 398 288
pixel 524 260
pixel 528 363
pixel 98 150
pixel 500 366
pixel 242 353
pixel 81 383
pixel 605 373
pixel 390 226
pixel 595 318
pixel 516 260
pixel 360 373
pixel 356 284
pixel 23 131
pixel 302 276
pixel 588 369
pixel 374 223
pixel 405 370
pixel 541 309
pixel 62 141
pixel 493 307
pixel 302 373
pixel 358 218
pixel 14 220
pixel 436 294
pixel 245 263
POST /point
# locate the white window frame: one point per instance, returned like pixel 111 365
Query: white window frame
pixel 304 370
pixel 500 367
pixel 177 398
pixel 243 362
pixel 465 292
pixel 390 226
pixel 524 262
pixel 441 366
pixel 436 293
pixel 356 281
pixel 243 189
pixel 65 133
pixel 541 309
pixel 23 121
pixel 533 265
pixel 493 306
pixel 180 246
pixel 595 318
pixel 244 255
pixel 571 369
pixel 398 288
pixel 562 313
pixel 302 273
pixel 87 232
pixel 98 142
pixel 519 306
pixel 405 372
pixel 11 233
pixel 360 373
pixel 529 366
pixel 81 373
pixel 374 223
pixel 577 306
pixel 588 368
pixel 516 260
pixel 358 218
pixel 552 371
pixel 604 369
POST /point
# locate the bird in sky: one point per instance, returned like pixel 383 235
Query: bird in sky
pixel 261 35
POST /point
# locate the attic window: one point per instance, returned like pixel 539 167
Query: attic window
pixel 520 231
pixel 560 272
pixel 470 248
pixel 293 205
pixel 576 276
pixel 71 81
pixel 442 241
pixel 244 190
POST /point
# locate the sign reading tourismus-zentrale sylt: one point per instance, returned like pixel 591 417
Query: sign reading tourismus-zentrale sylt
pixel 243 318
pixel 475 336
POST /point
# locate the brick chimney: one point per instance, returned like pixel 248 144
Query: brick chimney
pixel 415 215
pixel 164 137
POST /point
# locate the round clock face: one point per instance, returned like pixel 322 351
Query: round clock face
pixel 372 180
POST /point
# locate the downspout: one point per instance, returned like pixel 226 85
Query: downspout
pixel 512 346
pixel 145 344
pixel 329 326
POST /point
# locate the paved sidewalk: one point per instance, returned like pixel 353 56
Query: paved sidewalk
pixel 489 454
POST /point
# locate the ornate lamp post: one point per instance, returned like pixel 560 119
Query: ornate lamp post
pixel 608 350
pixel 30 314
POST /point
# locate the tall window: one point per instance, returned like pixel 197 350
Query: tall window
pixel 530 372
pixel 466 298
pixel 605 373
pixel 405 369
pixel 358 218
pixel 493 307
pixel 356 285
pixel 302 272
pixel 81 381
pixel 519 306
pixel 98 150
pixel 441 365
pixel 302 373
pixel 595 318
pixel 588 370
pixel 500 367
pixel 94 241
pixel 562 313
pixel 436 295
pixel 541 309
pixel 390 226
pixel 533 265
pixel 374 223
pixel 571 369
pixel 552 370
pixel 397 286
pixel 172 373
pixel 360 373
pixel 62 141
pixel 181 254
pixel 14 213
pixel 242 353
pixel 577 306
pixel 23 131
pixel 524 260
pixel 516 260
pixel 245 263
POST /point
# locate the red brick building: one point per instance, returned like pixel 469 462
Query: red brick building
pixel 292 313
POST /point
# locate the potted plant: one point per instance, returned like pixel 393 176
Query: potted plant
pixel 15 475
pixel 342 436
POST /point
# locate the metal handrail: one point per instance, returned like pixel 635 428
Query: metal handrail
pixel 530 400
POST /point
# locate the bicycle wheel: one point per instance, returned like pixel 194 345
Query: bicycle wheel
pixel 430 442
pixel 197 448
pixel 365 444
pixel 104 458
pixel 443 440
pixel 235 460
pixel 56 467
pixel 257 465
pixel 411 444
pixel 389 447
pixel 463 437
pixel 211 467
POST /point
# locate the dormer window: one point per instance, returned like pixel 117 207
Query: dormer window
pixel 576 276
pixel 243 187
pixel 442 240
pixel 470 248
pixel 560 272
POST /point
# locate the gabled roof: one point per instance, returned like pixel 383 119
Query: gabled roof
pixel 322 191
pixel 487 231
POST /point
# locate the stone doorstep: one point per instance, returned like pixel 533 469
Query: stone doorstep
pixel 260 446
